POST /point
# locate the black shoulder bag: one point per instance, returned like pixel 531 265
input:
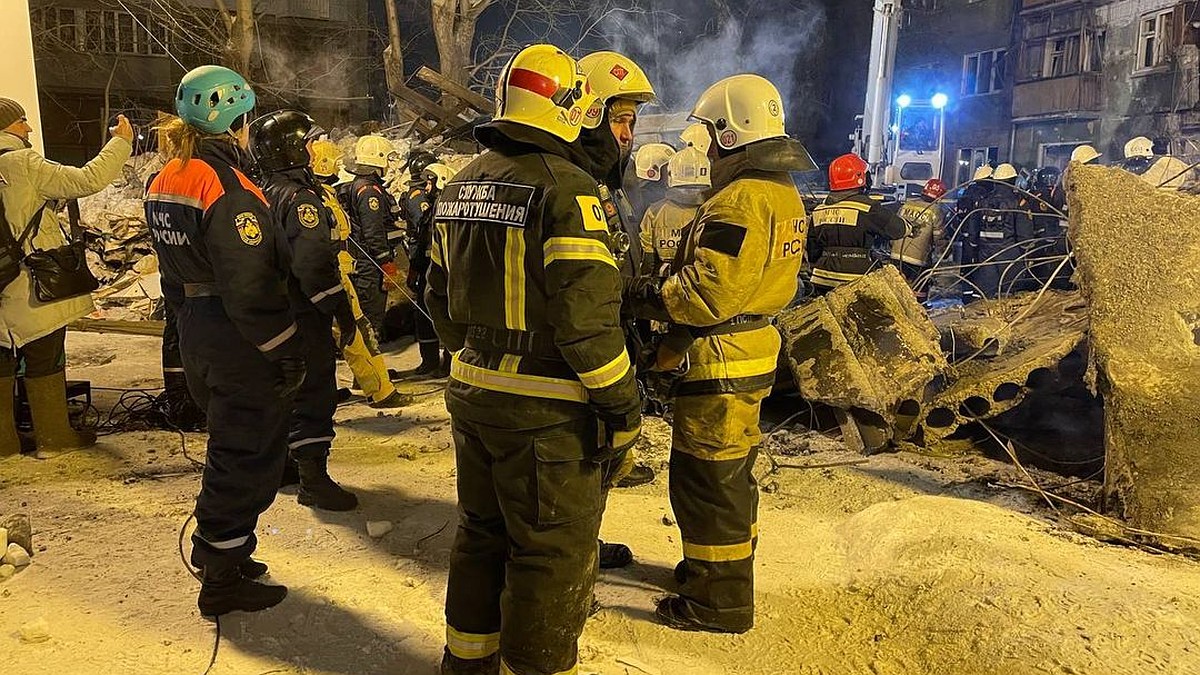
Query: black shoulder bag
pixel 62 273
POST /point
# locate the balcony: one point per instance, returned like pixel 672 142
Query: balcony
pixel 1057 96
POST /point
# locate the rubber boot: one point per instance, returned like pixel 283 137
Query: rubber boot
pixel 394 400
pixel 291 473
pixel 253 569
pixel 452 665
pixel 430 364
pixel 10 443
pixel 614 556
pixel 224 589
pixel 641 475
pixel 318 490
pixel 48 407
pixel 673 612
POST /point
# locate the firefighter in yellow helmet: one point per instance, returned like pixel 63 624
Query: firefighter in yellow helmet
pixel 687 180
pixel 621 87
pixel 738 267
pixel 362 355
pixel 525 291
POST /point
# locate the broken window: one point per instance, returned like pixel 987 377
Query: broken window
pixel 1154 38
pixel 983 72
pixel 1062 56
pixel 970 159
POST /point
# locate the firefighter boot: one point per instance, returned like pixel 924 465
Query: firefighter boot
pixel 318 490
pixel 452 665
pixel 252 569
pixel 614 556
pixel 291 473
pixel 674 612
pixel 48 407
pixel 10 443
pixel 431 354
pixel 225 589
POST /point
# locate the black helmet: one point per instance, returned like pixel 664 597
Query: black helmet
pixel 418 159
pixel 278 141
pixel 1046 177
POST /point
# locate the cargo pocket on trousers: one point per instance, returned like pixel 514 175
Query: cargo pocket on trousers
pixel 568 483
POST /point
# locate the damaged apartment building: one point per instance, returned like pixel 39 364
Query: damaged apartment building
pixel 98 58
pixel 1030 80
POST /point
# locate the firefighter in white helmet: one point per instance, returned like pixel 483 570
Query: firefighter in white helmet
pixel 696 136
pixel 525 291
pixel 648 183
pixel 373 214
pixel 1085 154
pixel 688 177
pixel 362 355
pixel 737 267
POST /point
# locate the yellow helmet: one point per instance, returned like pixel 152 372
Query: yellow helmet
pixel 697 136
pixel 543 88
pixel 441 174
pixel 983 172
pixel 689 168
pixel 1085 154
pixel 1139 147
pixel 326 158
pixel 742 109
pixel 375 151
pixel 649 160
pixel 1005 172
pixel 612 75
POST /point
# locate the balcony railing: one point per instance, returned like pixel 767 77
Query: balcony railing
pixel 1059 95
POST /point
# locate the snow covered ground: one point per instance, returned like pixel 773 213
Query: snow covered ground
pixel 901 565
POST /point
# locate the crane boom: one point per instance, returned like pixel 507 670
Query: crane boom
pixel 872 141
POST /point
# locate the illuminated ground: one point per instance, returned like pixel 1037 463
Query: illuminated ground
pixel 902 565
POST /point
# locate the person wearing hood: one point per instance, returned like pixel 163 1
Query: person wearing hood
pixel 998 234
pixel 738 266
pixel 845 225
pixel 32 331
pixel 225 273
pixel 688 178
pixel 280 145
pixel 621 87
pixel 373 214
pixel 362 353
pixel 524 290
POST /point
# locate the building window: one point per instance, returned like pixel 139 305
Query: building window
pixel 984 72
pixel 96 31
pixel 1154 37
pixel 1062 57
pixel 970 159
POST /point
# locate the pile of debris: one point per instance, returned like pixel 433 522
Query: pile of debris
pixel 871 352
pixel 16 545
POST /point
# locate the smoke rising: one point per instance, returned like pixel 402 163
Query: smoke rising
pixel 685 46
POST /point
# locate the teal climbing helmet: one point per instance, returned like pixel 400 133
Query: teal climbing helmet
pixel 211 98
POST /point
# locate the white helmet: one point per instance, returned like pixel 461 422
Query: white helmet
pixel 649 160
pixel 697 136
pixel 611 76
pixel 1085 154
pixel 983 172
pixel 440 173
pixel 1005 171
pixel 689 168
pixel 742 109
pixel 543 88
pixel 375 151
pixel 1139 147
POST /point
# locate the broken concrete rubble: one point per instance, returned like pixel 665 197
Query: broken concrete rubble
pixel 1139 268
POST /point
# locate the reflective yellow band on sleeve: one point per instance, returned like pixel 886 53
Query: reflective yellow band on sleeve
pixel 514 279
pixel 506 669
pixel 471 646
pixel 516 383
pixel 438 245
pixel 719 554
pixel 576 248
pixel 607 374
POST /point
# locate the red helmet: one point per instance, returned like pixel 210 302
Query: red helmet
pixel 848 172
pixel 934 190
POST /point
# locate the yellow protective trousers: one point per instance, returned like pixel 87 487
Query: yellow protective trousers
pixel 362 355
pixel 713 490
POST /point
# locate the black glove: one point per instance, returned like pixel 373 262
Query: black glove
pixel 643 299
pixel 347 327
pixel 291 376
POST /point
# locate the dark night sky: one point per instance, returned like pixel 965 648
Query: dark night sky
pixel 816 51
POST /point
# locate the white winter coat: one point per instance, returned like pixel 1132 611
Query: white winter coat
pixel 31 181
